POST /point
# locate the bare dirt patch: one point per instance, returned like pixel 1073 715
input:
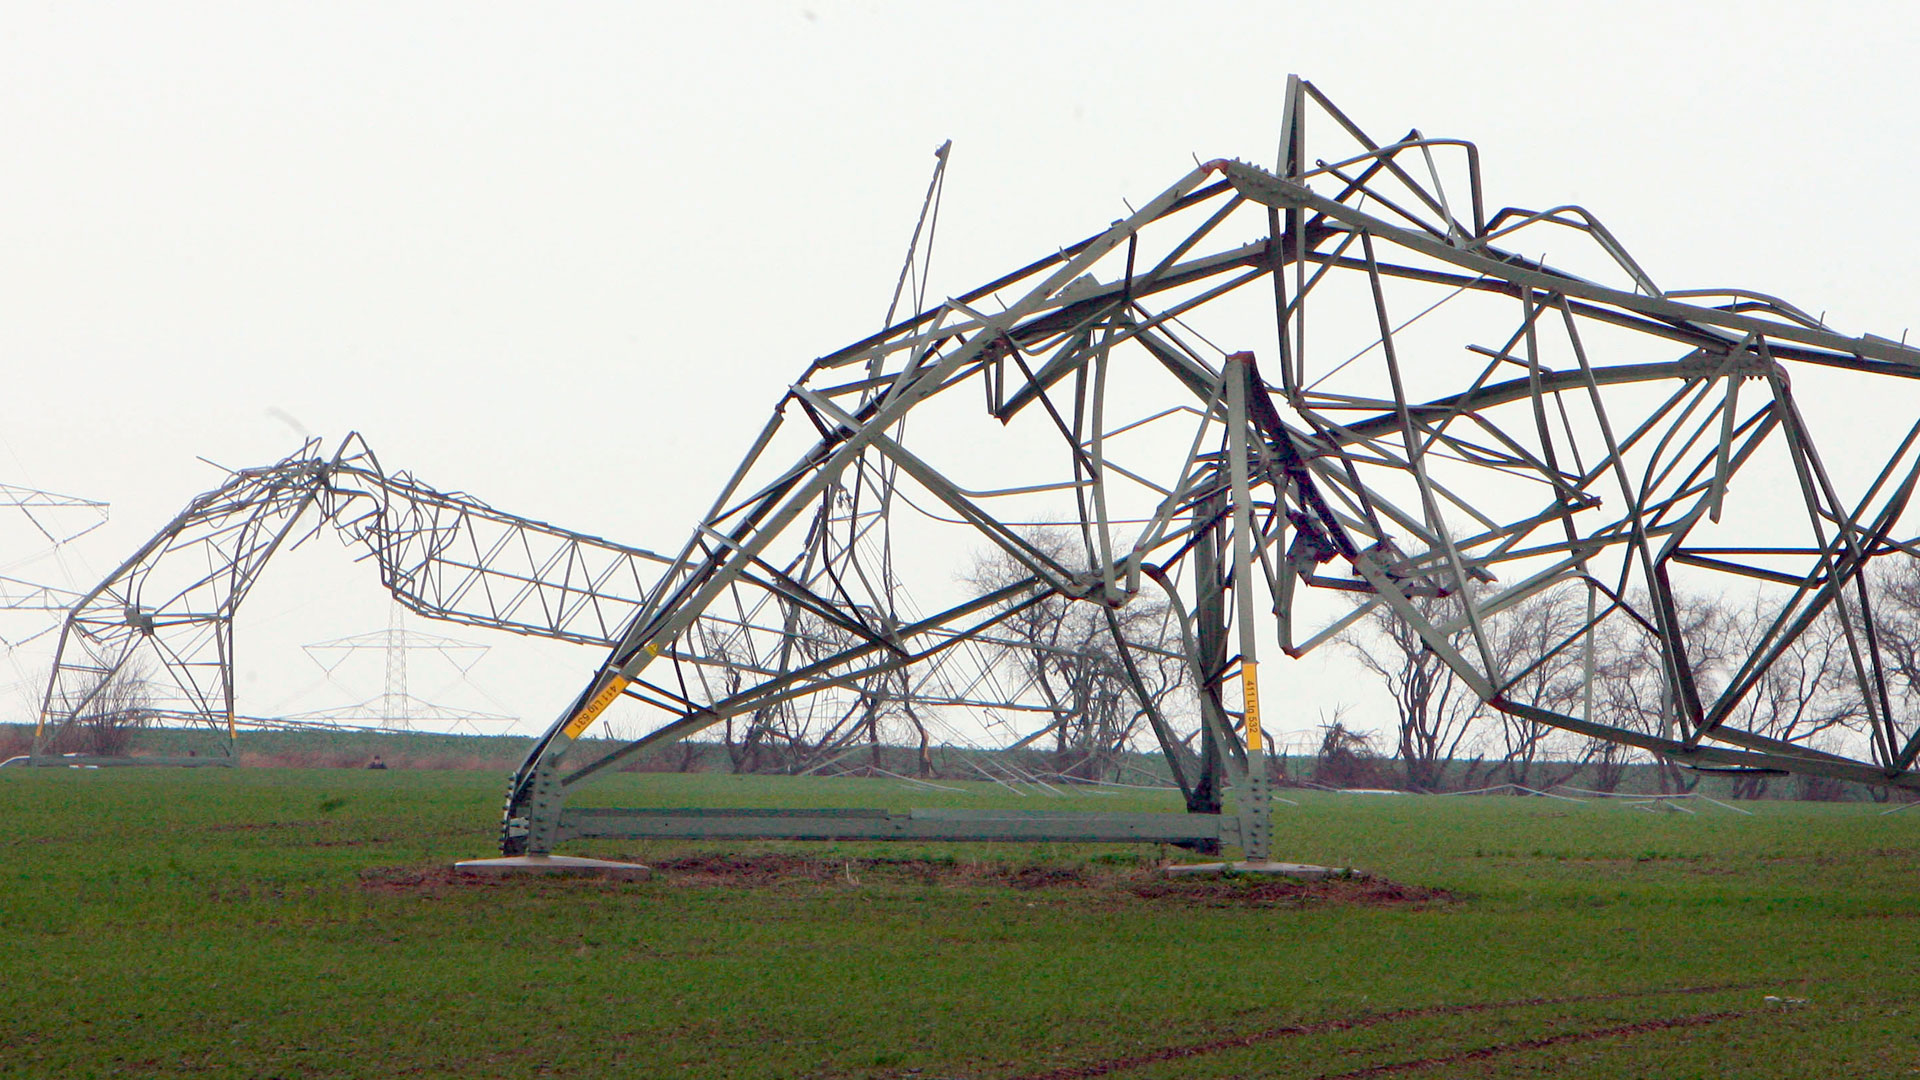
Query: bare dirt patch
pixel 1090 884
pixel 423 881
pixel 752 871
pixel 1257 892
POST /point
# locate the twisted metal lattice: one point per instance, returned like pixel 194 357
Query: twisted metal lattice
pixel 1443 422
pixel 166 613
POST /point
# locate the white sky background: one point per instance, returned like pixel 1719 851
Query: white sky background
pixel 566 258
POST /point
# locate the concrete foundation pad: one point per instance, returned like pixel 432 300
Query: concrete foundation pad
pixel 1303 871
pixel 561 865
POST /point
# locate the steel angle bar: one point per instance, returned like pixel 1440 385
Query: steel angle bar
pixel 1600 233
pixel 1697 486
pixel 1266 188
pixel 1797 761
pixel 1136 323
pixel 17 595
pixel 1334 629
pixel 1354 131
pixel 1008 599
pixel 1582 635
pixel 1481 397
pixel 860 349
pixel 1486 607
pixel 1502 545
pixel 1178 761
pixel 944 490
pixel 920 824
pixel 1817 490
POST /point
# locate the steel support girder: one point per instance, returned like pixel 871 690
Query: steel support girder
pixel 1801 761
pixel 451 557
pixel 918 824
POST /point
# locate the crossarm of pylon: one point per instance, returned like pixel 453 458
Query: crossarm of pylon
pixel 17 595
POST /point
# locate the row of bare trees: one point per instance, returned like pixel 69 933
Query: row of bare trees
pixel 1444 736
pixel 1089 701
pixel 1055 661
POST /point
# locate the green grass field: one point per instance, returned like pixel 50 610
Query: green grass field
pixel 293 923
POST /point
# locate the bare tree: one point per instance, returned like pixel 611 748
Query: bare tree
pixel 118 706
pixel 1536 644
pixel 1633 688
pixel 1808 691
pixel 874 712
pixel 1346 758
pixel 747 739
pixel 877 710
pixel 1435 709
pixel 1895 596
pixel 1063 654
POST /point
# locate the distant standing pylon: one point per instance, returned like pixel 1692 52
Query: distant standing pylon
pixel 394 714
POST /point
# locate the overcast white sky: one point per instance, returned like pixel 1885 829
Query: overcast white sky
pixel 567 257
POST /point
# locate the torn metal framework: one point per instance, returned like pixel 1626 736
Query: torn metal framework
pixel 1443 420
pixel 169 608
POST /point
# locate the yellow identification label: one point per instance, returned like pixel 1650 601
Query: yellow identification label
pixel 594 707
pixel 1250 700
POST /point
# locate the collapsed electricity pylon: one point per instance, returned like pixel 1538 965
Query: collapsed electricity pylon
pixel 442 554
pixel 1446 423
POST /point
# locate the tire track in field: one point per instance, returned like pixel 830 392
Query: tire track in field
pixel 1354 1023
pixel 1482 1053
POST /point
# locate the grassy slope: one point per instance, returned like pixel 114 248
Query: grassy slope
pixel 215 922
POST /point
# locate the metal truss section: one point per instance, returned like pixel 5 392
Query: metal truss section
pixel 1456 411
pixel 164 618
pixel 449 556
pixel 60 519
pixel 17 595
